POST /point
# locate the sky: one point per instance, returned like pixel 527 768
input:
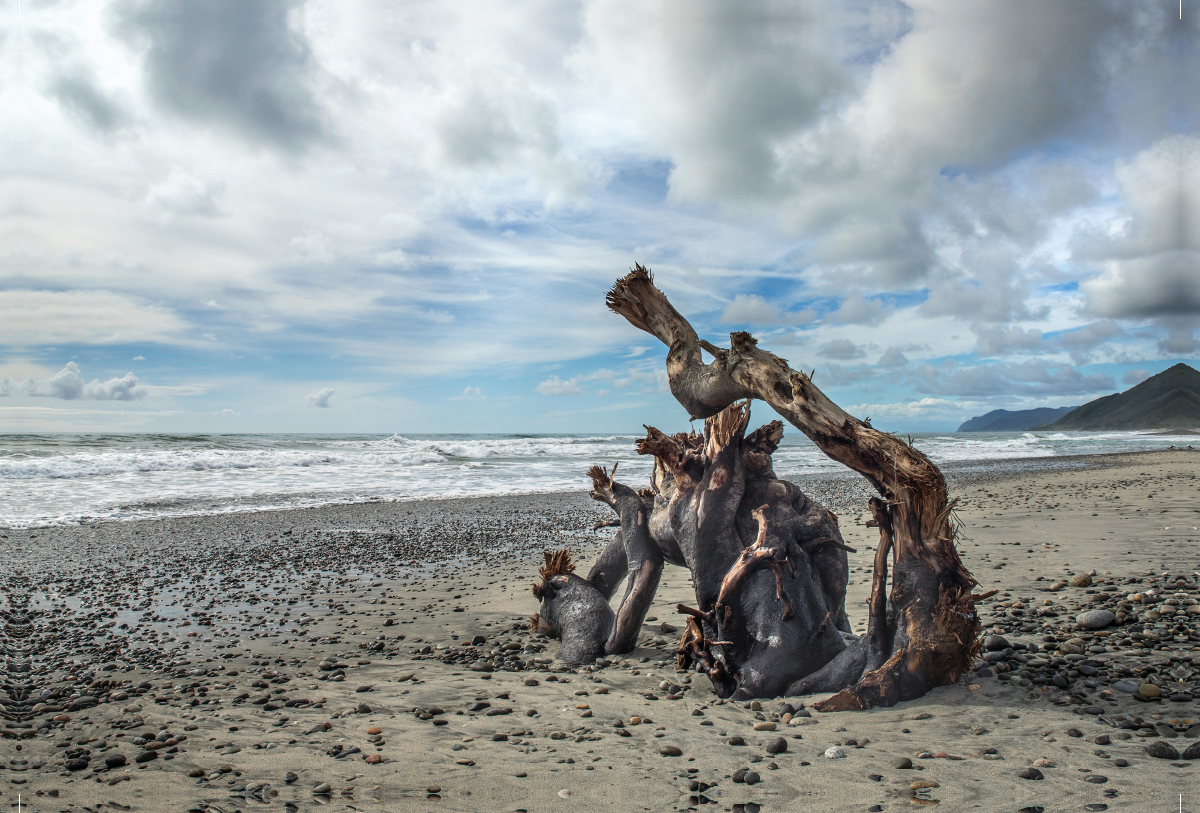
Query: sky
pixel 370 216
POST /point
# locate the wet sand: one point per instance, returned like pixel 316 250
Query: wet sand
pixel 376 657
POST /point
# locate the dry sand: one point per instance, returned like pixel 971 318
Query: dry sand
pixel 256 647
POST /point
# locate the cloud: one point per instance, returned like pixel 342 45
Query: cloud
pixel 858 310
pixel 84 317
pixel 991 179
pixel 715 85
pixel 924 408
pixel 77 92
pixel 183 193
pixel 838 376
pixel 68 385
pixel 1081 341
pixel 243 65
pixel 893 357
pixel 226 413
pixel 1133 377
pixel 1150 257
pixel 1033 377
pixel 468 393
pixel 556 386
pixel 320 398
pixel 842 350
pixel 752 309
pixel 1001 340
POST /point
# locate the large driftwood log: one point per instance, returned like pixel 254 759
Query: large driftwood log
pixel 926 631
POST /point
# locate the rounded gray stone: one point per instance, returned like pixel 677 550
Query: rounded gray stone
pixel 1095 619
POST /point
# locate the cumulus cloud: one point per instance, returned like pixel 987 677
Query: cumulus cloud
pixel 1133 377
pixel 894 357
pixel 1000 340
pixel 859 310
pixel 750 309
pixel 320 398
pixel 78 93
pixel 838 376
pixel 68 385
pixel 184 193
pixel 556 386
pixel 1150 258
pixel 468 393
pixel 1080 342
pixel 1033 377
pixel 842 350
pixel 244 65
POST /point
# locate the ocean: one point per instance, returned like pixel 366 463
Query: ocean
pixel 59 479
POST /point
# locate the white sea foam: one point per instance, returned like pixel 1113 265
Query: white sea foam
pixel 55 479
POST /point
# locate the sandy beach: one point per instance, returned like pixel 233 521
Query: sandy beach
pixel 377 657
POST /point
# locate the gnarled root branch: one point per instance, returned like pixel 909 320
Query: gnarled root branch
pixel 757 556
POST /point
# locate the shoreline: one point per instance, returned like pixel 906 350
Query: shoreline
pixel 377 655
pixel 852 487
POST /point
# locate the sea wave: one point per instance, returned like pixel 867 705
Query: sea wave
pixel 56 479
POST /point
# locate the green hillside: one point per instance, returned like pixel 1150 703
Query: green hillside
pixel 1169 400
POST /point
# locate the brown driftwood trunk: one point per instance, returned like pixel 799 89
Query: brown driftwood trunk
pixel 922 634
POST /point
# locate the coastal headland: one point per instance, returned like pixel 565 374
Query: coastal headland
pixel 376 656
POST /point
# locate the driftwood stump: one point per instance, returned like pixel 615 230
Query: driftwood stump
pixel 768 565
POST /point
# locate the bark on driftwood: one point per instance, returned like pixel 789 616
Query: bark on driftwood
pixel 922 634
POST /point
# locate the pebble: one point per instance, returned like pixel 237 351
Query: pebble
pixel 736 741
pixel 1030 773
pixel 1149 690
pixel 923 783
pixel 1161 750
pixel 835 753
pixel 325 787
pixel 1081 580
pixel 1074 646
pixel 902 764
pixel 777 746
pixel 1096 779
pixel 1095 619
pixel 671 751
pixel 764 726
pixel 1125 686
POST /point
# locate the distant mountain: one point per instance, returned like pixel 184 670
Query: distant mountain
pixel 1169 400
pixel 1002 420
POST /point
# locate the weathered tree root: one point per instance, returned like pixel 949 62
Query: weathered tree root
pixel 925 633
